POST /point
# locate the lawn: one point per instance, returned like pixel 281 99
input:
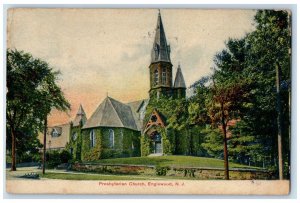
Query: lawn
pixel 173 161
pixel 90 176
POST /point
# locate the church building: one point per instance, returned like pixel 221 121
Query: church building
pixel 118 129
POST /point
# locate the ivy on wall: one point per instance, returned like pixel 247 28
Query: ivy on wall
pixel 179 137
pixel 74 145
pixel 126 143
pixel 91 153
pixel 145 145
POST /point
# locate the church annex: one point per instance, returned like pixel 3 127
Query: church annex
pixel 118 129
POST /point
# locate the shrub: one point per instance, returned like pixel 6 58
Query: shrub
pixel 54 158
pixel 161 171
pixel 65 156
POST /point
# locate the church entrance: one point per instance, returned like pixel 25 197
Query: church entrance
pixel 157 149
pixel 157 143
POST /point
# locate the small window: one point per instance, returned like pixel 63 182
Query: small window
pixel 92 139
pixel 74 136
pixel 56 132
pixel 153 118
pixel 111 138
pixel 156 77
pixel 164 76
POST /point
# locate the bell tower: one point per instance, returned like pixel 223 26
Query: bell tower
pixel 161 66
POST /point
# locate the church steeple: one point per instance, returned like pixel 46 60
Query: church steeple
pixel 179 80
pixel 80 118
pixel 161 50
pixel 179 90
pixel 161 66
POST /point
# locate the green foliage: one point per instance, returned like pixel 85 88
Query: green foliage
pixel 74 145
pixel 167 141
pixel 91 153
pixel 28 146
pixel 269 46
pixel 175 134
pixel 213 143
pixel 55 157
pixel 243 85
pixel 65 156
pixel 89 176
pixel 126 144
pixel 161 171
pixel 31 94
pixel 145 145
pixel 172 161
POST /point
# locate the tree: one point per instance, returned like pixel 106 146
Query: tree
pixel 269 47
pixel 225 95
pixel 31 94
pixel 28 145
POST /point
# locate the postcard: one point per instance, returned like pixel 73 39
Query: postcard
pixel 148 101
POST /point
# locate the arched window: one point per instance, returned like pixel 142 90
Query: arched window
pixel 92 138
pixel 74 136
pixel 164 76
pixel 111 138
pixel 121 139
pixel 156 77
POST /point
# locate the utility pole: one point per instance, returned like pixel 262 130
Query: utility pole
pixel 279 120
pixel 44 149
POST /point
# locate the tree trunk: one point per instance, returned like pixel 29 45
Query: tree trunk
pixel 279 124
pixel 226 165
pixel 44 150
pixel 190 141
pixel 13 149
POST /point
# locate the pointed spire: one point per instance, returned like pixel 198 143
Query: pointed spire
pixel 80 116
pixel 161 50
pixel 80 110
pixel 179 80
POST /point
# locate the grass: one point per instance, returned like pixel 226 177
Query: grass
pixel 175 161
pixel 89 176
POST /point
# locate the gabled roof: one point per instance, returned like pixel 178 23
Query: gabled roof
pixel 80 116
pixel 159 120
pixel 160 50
pixel 112 113
pixel 179 80
pixel 137 107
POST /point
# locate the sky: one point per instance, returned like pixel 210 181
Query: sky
pixel 102 52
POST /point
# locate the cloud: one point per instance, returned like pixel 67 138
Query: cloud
pixel 108 50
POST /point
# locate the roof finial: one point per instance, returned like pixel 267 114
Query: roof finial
pixel 158 11
pixel 106 94
pixel 178 64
